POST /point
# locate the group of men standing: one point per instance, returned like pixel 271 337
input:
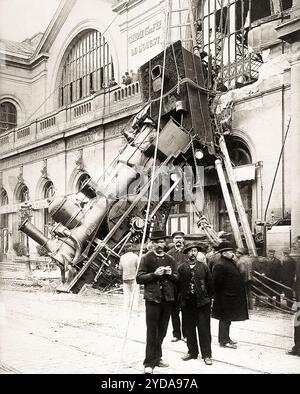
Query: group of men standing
pixel 179 280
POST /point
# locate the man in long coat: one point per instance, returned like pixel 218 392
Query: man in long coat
pixel 230 300
pixel 288 269
pixel 274 273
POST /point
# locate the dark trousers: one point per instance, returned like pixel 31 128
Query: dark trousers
pixel 178 327
pixel 297 331
pixel 224 327
pixel 157 320
pixel 289 294
pixel 197 319
pixel 297 339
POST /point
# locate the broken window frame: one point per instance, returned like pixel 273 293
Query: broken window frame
pixel 222 34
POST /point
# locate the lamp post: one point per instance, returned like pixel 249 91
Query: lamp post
pixel 25 212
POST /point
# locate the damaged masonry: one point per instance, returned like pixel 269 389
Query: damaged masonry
pixel 200 135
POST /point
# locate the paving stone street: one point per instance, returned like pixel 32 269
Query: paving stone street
pixel 43 332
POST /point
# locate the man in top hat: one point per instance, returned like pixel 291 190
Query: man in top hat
pixel 177 253
pixel 157 272
pixel 230 301
pixel 195 291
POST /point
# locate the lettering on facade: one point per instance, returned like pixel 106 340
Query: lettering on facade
pixel 144 35
pixel 33 156
pixel 82 140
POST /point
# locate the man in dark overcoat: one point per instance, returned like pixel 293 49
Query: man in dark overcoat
pixel 177 253
pixel 274 273
pixel 195 293
pixel 295 351
pixel 157 272
pixel 288 269
pixel 230 300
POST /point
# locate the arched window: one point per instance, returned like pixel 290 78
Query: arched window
pixel 222 33
pixel 23 194
pixel 8 116
pixel 3 197
pixel 88 67
pixel 239 153
pixel 83 178
pixel 3 224
pixel 49 192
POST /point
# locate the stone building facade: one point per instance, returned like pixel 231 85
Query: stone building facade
pixel 62 115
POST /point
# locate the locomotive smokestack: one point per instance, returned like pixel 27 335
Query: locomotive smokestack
pixel 52 246
pixel 34 233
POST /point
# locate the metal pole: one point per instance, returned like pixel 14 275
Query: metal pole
pixel 237 198
pixel 230 210
pixel 193 32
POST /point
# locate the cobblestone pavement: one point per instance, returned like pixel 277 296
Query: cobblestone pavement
pixel 45 332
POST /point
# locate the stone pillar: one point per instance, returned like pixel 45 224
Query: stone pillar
pixel 290 32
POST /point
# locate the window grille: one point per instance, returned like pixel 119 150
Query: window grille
pixel 88 67
pixel 8 116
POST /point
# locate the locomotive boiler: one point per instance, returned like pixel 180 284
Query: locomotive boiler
pixel 88 240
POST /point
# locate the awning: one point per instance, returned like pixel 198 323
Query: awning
pixel 245 173
pixel 242 173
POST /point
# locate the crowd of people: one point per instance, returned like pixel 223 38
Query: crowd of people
pixel 188 285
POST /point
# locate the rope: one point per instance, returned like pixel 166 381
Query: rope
pixel 150 195
pixel 272 280
pixel 267 302
pixel 270 288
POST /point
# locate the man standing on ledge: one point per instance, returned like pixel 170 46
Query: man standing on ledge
pixel 177 253
pixel 158 274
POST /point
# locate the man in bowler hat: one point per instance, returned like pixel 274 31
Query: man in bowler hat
pixel 195 291
pixel 176 252
pixel 157 272
pixel 230 300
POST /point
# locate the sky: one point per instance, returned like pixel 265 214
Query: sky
pixel 20 19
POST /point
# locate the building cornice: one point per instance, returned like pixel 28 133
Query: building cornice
pixel 289 31
pixel 27 64
pixel 123 6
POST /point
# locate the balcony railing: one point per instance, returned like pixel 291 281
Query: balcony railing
pixel 102 106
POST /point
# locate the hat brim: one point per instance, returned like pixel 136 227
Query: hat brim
pixel 225 250
pixel 178 233
pixel 192 247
